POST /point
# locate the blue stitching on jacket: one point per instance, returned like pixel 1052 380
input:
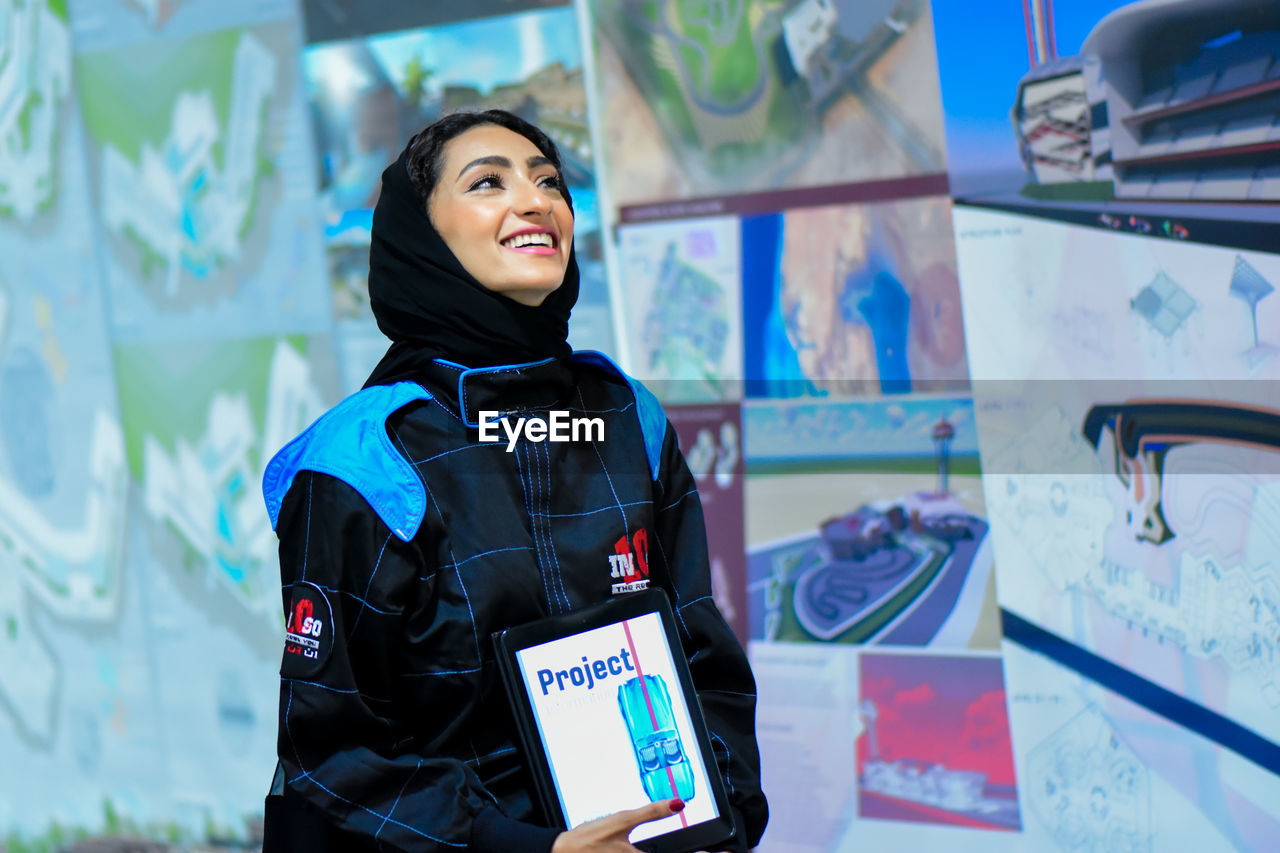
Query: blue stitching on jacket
pixel 653 420
pixel 533 532
pixel 546 525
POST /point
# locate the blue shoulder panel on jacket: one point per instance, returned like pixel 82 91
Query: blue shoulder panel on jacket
pixel 350 442
pixel 653 420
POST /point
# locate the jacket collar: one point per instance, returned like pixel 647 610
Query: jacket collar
pixel 504 388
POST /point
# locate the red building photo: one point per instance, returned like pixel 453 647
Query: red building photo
pixel 935 744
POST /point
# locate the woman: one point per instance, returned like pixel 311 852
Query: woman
pixel 407 540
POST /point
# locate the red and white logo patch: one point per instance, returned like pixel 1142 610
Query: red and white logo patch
pixel 308 639
pixel 629 563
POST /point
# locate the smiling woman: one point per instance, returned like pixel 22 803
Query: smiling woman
pixel 417 536
pixel 501 207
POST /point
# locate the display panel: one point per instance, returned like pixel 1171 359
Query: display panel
pixel 715 99
pixel 852 299
pixel 160 335
pixel 867 523
pixel 1130 457
pixel 1149 117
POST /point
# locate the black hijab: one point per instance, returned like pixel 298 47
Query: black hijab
pixel 430 306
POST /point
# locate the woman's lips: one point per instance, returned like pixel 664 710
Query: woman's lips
pixel 532 250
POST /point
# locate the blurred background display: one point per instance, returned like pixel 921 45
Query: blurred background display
pixel 964 316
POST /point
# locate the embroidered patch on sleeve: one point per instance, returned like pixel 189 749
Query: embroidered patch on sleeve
pixel 308 639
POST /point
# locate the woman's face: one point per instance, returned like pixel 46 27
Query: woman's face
pixel 499 208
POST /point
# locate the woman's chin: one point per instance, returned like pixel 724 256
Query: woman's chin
pixel 525 292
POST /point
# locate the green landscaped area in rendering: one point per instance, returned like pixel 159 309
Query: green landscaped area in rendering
pixel 790 629
pixel 128 100
pixel 723 69
pixel 165 390
pixel 731 69
pixel 1074 191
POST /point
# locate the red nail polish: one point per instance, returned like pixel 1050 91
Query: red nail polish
pixel 677 805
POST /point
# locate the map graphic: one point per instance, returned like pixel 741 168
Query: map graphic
pixel 858 299
pixel 682 282
pixel 731 96
pixel 35 80
pixel 875 539
pixel 203 184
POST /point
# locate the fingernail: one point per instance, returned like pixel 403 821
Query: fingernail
pixel 677 805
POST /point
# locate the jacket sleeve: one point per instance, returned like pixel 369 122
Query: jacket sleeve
pixel 346 743
pixel 721 673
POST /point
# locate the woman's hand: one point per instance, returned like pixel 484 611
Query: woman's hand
pixel 608 834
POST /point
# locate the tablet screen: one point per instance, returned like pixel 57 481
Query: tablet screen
pixel 615 724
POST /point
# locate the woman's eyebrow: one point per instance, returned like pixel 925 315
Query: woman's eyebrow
pixel 489 160
pixel 502 162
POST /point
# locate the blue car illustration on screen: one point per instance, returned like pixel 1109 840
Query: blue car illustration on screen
pixel 646 709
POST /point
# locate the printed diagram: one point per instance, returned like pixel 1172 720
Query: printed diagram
pixel 683 279
pixel 856 299
pixel 1091 791
pixel 1228 611
pixel 1150 544
pixel 1248 285
pixel 688 307
pixel 35 79
pixel 72 571
pixel 896 575
pixel 63 486
pixel 660 758
pixel 1164 304
pixel 872 520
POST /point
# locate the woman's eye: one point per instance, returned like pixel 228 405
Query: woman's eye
pixel 487 182
pixel 552 182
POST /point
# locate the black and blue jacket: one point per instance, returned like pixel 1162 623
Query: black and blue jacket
pixel 405 542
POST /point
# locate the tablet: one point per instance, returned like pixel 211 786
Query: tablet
pixel 609 720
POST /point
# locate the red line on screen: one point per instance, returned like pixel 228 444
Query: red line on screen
pixel 653 718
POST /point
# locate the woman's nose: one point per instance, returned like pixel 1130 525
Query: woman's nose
pixel 531 198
